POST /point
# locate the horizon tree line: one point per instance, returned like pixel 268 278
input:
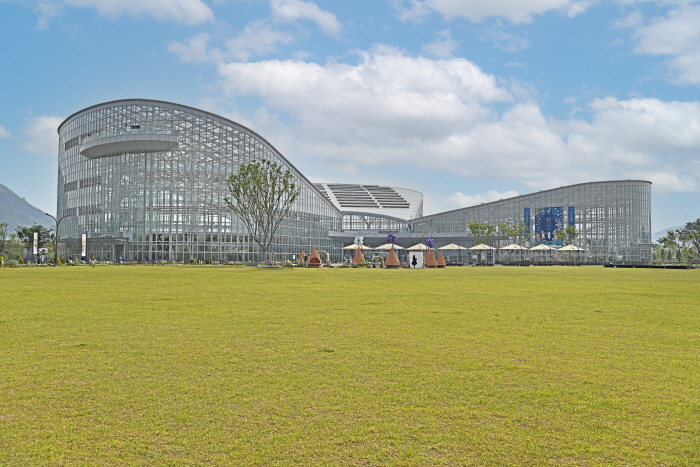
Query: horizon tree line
pixel 680 244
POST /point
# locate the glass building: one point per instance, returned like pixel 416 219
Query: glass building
pixel 612 218
pixel 146 180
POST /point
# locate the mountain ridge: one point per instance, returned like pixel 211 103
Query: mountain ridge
pixel 17 211
pixel 662 233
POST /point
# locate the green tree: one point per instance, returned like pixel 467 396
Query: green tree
pixel 26 236
pixel 692 232
pixel 515 233
pixel 262 193
pixel 3 236
pixel 507 230
pixel 482 232
pixel 560 235
pixel 567 234
pixel 676 241
pixel 571 233
pixel 522 234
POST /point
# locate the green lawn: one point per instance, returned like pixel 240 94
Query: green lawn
pixel 219 365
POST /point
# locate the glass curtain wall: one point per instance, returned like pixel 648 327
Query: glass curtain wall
pixel 613 219
pixel 360 221
pixel 148 204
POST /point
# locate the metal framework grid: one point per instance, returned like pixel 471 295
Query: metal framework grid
pixel 169 204
pixel 361 221
pixel 613 218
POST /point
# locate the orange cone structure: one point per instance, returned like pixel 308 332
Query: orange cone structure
pixel 441 261
pixel 392 261
pixel 314 259
pixel 430 260
pixel 359 257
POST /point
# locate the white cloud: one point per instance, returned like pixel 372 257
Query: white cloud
pixel 394 110
pixel 676 36
pixel 460 200
pixel 195 50
pixel 415 11
pixel 40 135
pixel 577 7
pixel 46 11
pixel 670 182
pixel 632 20
pixel 257 39
pixel 443 46
pixel 648 125
pixel 515 11
pixel 4 133
pixel 503 40
pixel 288 11
pixel 383 108
pixel 188 12
pixel 386 83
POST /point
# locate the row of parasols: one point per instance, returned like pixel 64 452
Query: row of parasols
pixel 453 246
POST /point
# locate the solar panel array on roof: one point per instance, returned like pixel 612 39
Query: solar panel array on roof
pixel 365 196
pixel 387 197
pixel 323 191
pixel 352 196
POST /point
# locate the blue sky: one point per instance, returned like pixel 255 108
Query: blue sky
pixel 467 101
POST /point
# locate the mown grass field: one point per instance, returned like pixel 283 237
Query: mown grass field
pixel 217 365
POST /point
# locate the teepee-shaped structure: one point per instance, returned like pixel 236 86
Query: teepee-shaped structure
pixel 314 259
pixel 392 261
pixel 441 261
pixel 430 259
pixel 359 257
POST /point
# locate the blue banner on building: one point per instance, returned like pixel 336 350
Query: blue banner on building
pixel 572 216
pixel 526 219
pixel 547 222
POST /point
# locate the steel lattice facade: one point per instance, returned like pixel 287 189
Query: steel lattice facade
pixel 613 218
pixel 145 180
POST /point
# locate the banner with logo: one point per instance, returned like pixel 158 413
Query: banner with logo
pixel 84 243
pixel 35 249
